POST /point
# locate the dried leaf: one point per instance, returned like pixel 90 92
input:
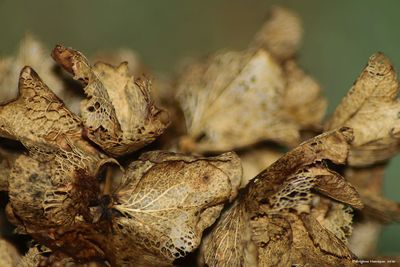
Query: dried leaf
pixel 5 168
pixel 277 208
pixel 41 122
pixel 234 100
pixel 281 34
pixel 226 243
pixel 165 203
pixel 32 53
pixel 335 186
pixel 119 114
pixel 372 110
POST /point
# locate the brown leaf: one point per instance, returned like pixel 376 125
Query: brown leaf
pixel 335 186
pixel 119 114
pixel 166 201
pixel 335 217
pixel 371 109
pixel 331 146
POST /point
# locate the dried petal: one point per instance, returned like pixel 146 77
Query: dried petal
pixel 166 201
pixel 225 245
pixel 372 110
pixel 119 114
pixel 41 122
pixel 277 208
pixel 234 100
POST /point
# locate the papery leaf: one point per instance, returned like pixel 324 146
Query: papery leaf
pixel 371 109
pixel 165 203
pixel 119 114
pixel 234 100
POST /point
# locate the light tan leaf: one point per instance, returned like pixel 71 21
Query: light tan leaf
pixel 234 100
pixel 303 102
pixel 41 122
pixel 372 110
pixel 118 113
pixel 165 203
pixel 281 34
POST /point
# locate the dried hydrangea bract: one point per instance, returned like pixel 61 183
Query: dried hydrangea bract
pixel 236 99
pixel 271 224
pixel 372 109
pixel 165 203
pixel 118 114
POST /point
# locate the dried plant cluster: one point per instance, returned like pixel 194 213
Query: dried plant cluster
pixel 215 188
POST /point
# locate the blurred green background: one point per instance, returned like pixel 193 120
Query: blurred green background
pixel 339 37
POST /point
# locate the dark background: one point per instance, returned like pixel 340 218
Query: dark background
pixel 339 37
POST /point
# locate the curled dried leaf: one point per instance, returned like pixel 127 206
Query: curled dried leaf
pixel 42 123
pixel 277 209
pixel 372 110
pixel 118 113
pixel 165 203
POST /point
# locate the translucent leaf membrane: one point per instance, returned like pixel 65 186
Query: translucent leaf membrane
pixel 118 114
pixel 165 203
